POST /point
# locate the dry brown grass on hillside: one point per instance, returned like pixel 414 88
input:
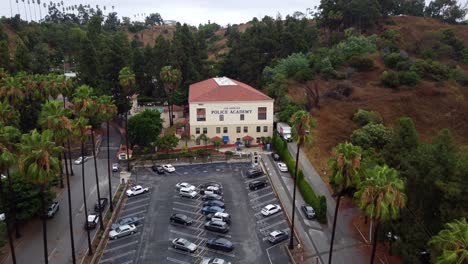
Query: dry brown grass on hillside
pixel 149 35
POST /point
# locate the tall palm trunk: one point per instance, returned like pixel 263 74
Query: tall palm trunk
pixel 13 198
pixel 109 168
pixel 126 141
pixel 291 238
pixel 61 171
pixel 90 249
pixel 374 245
pixel 44 224
pixel 25 12
pixel 334 228
pixel 7 220
pixel 101 224
pixel 68 143
pixel 70 216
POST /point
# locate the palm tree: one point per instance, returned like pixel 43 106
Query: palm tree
pixel 39 163
pixel 171 78
pixel 381 196
pixel 8 137
pixel 26 13
pixel 8 114
pixel 451 243
pixel 302 122
pixel 56 119
pixel 30 13
pixel 34 8
pixel 344 165
pixel 17 7
pixel 126 80
pixel 85 106
pixel 204 138
pixel 108 110
pixel 12 90
pixel 40 12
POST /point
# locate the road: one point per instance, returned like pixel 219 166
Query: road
pixel 29 248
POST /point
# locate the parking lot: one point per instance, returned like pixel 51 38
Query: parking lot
pixel 152 241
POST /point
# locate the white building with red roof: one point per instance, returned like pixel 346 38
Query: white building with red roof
pixel 231 110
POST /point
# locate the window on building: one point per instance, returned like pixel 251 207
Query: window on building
pixel 225 129
pixel 221 117
pixel 242 117
pixel 259 129
pixel 197 130
pixel 201 114
pixel 246 129
pixel 197 141
pixel 238 129
pixel 265 129
pixel 262 113
pixel 205 130
pixel 218 130
pixel 259 140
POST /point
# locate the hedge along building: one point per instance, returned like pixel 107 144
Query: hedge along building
pixel 231 110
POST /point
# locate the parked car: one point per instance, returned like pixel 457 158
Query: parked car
pixel 282 167
pixel 2 217
pixel 101 204
pixel 255 185
pixel 270 209
pixel 254 173
pixel 213 184
pixel 214 261
pixel 217 226
pixel 168 167
pixel 184 244
pixel 115 167
pixel 219 216
pixel 211 190
pixel 93 220
pixel 121 231
pixel 184 192
pixel 211 196
pixel 185 185
pixel 275 156
pixel 158 169
pixel 308 211
pixel 214 203
pixel 53 209
pixel 181 219
pixel 220 244
pixel 277 236
pixel 136 190
pixel 211 209
pixel 82 159
pixel 126 221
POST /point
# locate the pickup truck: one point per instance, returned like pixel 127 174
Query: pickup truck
pixel 53 209
pixel 136 190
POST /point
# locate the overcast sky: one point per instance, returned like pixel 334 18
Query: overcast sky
pixel 191 12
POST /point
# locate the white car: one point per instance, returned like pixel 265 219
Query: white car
pixel 80 160
pixel 184 244
pixel 185 192
pixel 115 167
pixel 168 167
pixel 214 261
pixel 136 190
pixel 282 167
pixel 185 185
pixel 121 231
pixel 270 209
pixel 2 217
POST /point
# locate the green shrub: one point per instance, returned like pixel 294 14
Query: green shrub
pixel 316 202
pixel 409 78
pixel 390 79
pixel 305 74
pixel 459 76
pixel 404 65
pixel 392 60
pixel 361 63
pixel 364 117
pixel 371 136
pixel 357 45
pixel 430 69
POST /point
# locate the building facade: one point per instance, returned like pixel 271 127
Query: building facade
pixel 231 110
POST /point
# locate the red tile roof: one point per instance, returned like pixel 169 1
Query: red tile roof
pixel 231 90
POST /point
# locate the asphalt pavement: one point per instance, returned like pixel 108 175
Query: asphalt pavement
pixel 29 248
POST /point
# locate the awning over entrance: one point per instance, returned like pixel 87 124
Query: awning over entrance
pixel 216 138
pixel 225 139
pixel 247 138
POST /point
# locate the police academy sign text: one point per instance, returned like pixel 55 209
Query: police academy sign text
pixel 230 110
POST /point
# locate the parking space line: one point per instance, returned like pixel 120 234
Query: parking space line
pixel 268 218
pixel 132 214
pixel 127 262
pixel 186 211
pixel 189 205
pixel 134 207
pixel 181 252
pixel 269 258
pixel 111 259
pixel 136 201
pixel 120 239
pixel 121 246
pixel 272 225
pixel 257 191
pixel 266 202
pixel 262 196
pixel 232 255
pixel 177 261
pixel 255 179
pixel 186 234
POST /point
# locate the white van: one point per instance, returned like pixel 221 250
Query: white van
pixel 186 192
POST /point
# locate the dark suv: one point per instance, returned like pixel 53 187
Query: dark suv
pixel 254 173
pixel 217 226
pixel 158 169
pixel 275 156
pixel 181 219
pixel 255 185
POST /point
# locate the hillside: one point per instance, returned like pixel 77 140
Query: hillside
pixel 432 105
